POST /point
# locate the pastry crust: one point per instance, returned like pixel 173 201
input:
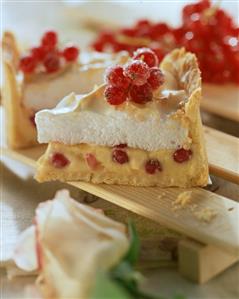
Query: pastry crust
pixel 194 172
pixel 20 131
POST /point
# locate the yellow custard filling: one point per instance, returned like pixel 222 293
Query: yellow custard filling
pixel 88 161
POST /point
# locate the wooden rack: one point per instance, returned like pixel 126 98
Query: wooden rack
pixel 210 246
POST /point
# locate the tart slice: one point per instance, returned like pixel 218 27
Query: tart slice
pixel 141 128
pixel 40 78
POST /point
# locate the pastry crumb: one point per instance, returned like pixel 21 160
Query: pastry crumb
pixel 193 207
pixel 205 215
pixel 161 195
pixel 183 198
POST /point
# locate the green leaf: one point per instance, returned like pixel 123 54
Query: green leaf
pixel 133 253
pixel 106 288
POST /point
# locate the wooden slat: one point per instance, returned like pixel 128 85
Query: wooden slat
pixel 199 262
pixel 222 100
pixel 156 204
pixel 223 154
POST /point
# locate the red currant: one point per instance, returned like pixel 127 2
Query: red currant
pixel 52 62
pixel 107 37
pixel 115 77
pixel 181 155
pixel 128 32
pixel 38 53
pixel 146 55
pixel 122 145
pixel 27 64
pixel 152 166
pixel 59 160
pixel 120 156
pixel 156 78
pixel 159 52
pixel 91 161
pixel 49 39
pixel 141 94
pixel 70 53
pixel 137 71
pixel 158 30
pixel 115 95
pixel 98 46
pixel 32 120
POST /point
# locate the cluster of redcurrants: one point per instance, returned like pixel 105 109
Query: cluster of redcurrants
pixel 47 55
pixel 206 30
pixel 136 81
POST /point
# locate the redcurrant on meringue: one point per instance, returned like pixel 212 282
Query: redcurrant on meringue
pixel 141 94
pixel 115 77
pixel 115 95
pixel 38 53
pixel 138 71
pixel 52 62
pixel 27 64
pixel 182 155
pixel 70 53
pixel 147 55
pixel 156 78
pixel 49 39
pixel 152 166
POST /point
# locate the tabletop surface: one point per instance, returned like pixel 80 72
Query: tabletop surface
pixel 19 192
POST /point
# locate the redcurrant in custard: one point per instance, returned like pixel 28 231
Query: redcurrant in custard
pixel 137 71
pixel 152 166
pixel 147 55
pixel 120 156
pixel 182 155
pixel 115 95
pixel 59 160
pixel 91 161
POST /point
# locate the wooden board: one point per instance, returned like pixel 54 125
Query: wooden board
pixel 157 204
pixel 199 262
pixel 222 100
pixel 223 154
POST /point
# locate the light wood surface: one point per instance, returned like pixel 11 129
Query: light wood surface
pixel 200 263
pixel 223 154
pixel 222 100
pixel 157 204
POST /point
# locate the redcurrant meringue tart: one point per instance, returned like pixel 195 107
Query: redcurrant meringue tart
pixel 42 77
pixel 143 129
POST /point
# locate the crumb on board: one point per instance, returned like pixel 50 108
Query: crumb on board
pixel 182 200
pixel 205 215
pixel 161 195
